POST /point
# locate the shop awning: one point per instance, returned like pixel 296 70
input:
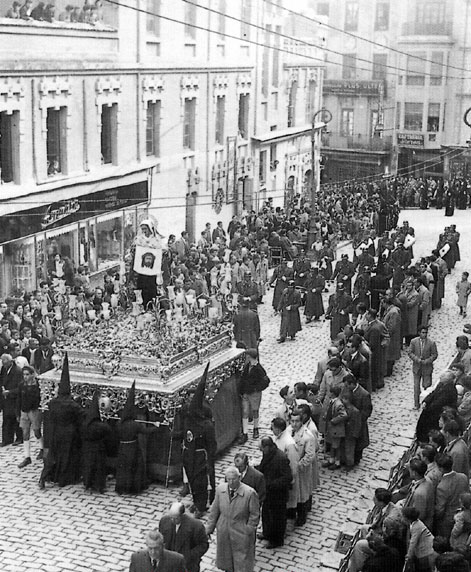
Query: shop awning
pixel 288 133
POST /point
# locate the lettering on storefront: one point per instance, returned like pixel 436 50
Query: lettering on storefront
pixel 351 88
pixel 59 211
pixel 410 140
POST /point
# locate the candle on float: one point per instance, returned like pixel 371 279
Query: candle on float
pixel 179 314
pixel 91 315
pixel 202 303
pixel 171 292
pixel 213 314
pixel 140 320
pixel 135 309
pixel 57 313
pixel 168 313
pixel 61 287
pixel 106 314
pixel 179 299
pixel 190 299
pixel 105 305
pixel 114 300
pixel 138 294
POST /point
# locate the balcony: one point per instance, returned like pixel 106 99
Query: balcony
pixel 356 142
pixel 427 29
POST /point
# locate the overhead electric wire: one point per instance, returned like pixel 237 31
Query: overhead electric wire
pixel 264 45
pixel 306 43
pixel 383 46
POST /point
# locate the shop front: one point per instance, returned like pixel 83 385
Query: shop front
pixel 94 231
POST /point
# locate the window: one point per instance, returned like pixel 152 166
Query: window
pixel 109 123
pixel 245 15
pixel 433 117
pixel 293 93
pixel 351 16
pixel 346 122
pixel 153 129
pixel 275 76
pixel 221 18
pixel 153 21
pixel 431 13
pixel 444 116
pixel 189 118
pixel 190 20
pixel 274 96
pixel 375 129
pixel 436 68
pixel 262 167
pixel 413 116
pixel 382 16
pixel 9 130
pixel 349 66
pixel 323 9
pixel 273 148
pixel 379 66
pixel 415 69
pixel 265 110
pixel 55 142
pixel 398 115
pixel 220 113
pixel 310 100
pixel 244 102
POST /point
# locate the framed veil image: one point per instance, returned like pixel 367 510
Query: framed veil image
pixel 147 260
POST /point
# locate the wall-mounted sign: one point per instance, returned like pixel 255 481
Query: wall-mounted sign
pixel 353 88
pixel 410 140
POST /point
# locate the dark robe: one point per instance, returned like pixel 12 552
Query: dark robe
pixel 443 395
pixel 199 450
pixel 278 476
pixel 314 304
pixel 339 310
pixel 281 275
pixel 378 285
pixel 131 468
pixel 290 319
pixel 95 434
pixel 62 464
pixel 246 328
pixel 449 203
pixel 375 333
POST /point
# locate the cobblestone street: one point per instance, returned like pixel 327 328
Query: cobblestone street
pixel 72 530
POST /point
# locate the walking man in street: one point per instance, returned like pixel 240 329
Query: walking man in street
pixel 155 558
pixel 235 513
pixel 422 352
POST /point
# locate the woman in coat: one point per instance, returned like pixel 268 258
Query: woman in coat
pixel 235 512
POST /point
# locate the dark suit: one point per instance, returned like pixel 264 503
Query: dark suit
pixel 447 501
pixel 360 368
pixel 361 399
pixel 375 334
pixel 169 562
pixel 43 360
pixel 458 451
pixel 256 480
pixel 10 380
pixel 421 496
pixel 423 354
pixel 27 354
pixel 190 540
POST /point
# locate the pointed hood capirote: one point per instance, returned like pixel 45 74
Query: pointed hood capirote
pixel 128 411
pixel 197 406
pixel 64 384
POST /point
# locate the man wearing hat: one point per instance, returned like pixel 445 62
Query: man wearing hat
pixel 43 358
pixel 344 271
pixel 253 381
pixel 339 310
pixel 335 374
pixel 248 291
pixel 289 309
pixel 302 266
pixel 364 259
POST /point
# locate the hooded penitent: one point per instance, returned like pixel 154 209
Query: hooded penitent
pixel 197 406
pixel 64 384
pixel 128 410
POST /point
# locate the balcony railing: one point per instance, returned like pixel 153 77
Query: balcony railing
pixel 356 142
pixel 427 29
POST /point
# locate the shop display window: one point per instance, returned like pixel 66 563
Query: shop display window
pixel 130 226
pixel 19 266
pixel 109 240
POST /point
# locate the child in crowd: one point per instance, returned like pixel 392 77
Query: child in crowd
pixel 463 290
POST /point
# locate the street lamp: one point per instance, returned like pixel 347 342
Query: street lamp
pixel 326 117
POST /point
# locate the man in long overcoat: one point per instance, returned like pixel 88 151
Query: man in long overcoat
pixel 280 278
pixel 246 327
pixel 289 308
pixel 392 321
pixel 361 399
pixel 235 513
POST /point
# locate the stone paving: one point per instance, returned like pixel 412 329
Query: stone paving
pixel 62 530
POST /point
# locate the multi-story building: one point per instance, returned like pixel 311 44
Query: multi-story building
pixel 397 86
pixel 158 111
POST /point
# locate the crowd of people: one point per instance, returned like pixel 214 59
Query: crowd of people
pixel 380 306
pixel 89 13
